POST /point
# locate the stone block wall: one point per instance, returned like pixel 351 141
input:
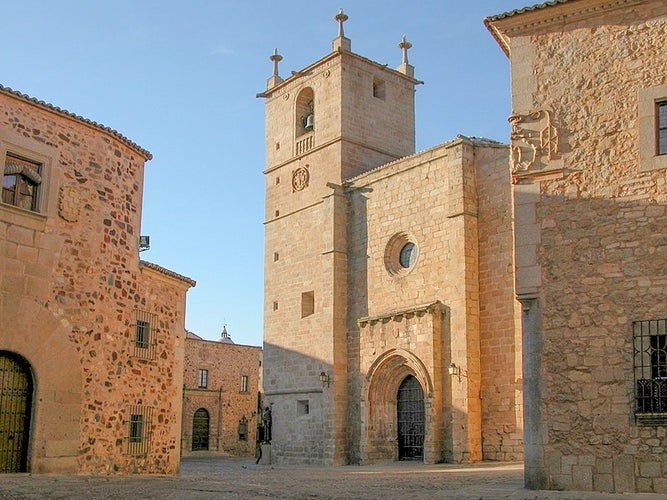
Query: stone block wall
pixel 590 237
pixel 451 202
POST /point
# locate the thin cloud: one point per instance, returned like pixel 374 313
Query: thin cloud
pixel 223 51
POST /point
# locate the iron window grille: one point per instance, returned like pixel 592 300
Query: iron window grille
pixel 650 371
pixel 202 382
pixel 144 336
pixel 139 430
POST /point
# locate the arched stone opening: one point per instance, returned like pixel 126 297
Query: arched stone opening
pixel 305 112
pixel 380 429
pixel 200 430
pixel 16 396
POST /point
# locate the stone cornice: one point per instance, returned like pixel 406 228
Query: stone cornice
pixel 268 93
pixel 531 20
pixel 418 310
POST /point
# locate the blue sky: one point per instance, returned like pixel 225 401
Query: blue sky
pixel 180 78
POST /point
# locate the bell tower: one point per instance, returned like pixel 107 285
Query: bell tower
pixel 331 121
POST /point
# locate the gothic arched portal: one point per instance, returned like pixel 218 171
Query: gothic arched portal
pixel 399 388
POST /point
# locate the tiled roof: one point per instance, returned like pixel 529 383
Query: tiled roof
pixel 526 9
pixel 42 104
pixel 167 272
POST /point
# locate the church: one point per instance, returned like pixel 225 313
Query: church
pixel 476 301
pixel 391 329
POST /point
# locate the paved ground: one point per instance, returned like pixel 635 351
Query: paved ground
pixel 231 478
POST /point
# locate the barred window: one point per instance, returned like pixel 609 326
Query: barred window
pixel 202 381
pixel 662 127
pixel 139 429
pixel 20 182
pixel 144 337
pixel 244 383
pixel 650 370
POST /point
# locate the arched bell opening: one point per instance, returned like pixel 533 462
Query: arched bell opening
pixel 16 395
pixel 305 112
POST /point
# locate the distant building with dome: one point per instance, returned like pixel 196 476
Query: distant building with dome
pixel 221 388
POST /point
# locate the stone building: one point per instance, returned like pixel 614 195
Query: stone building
pixel 91 338
pixel 589 153
pixel 221 387
pixel 391 329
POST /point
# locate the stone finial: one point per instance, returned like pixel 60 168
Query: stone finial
pixel 404 46
pixel 276 58
pixel 341 17
pixel 275 78
pixel 341 42
pixel 405 67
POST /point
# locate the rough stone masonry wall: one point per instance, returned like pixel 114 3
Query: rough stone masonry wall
pixel 603 246
pixel 71 285
pixel 223 398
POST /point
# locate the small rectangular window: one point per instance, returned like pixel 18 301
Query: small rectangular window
pixel 652 114
pixel 302 407
pixel 139 430
pixel 243 429
pixel 144 333
pixel 662 127
pixel 20 182
pixel 136 428
pixel 650 368
pixel 202 381
pixel 307 303
pixel 378 88
pixel 244 383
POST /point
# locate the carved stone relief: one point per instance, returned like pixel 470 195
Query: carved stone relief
pixel 69 203
pixel 535 141
pixel 300 178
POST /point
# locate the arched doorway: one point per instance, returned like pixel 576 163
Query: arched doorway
pixel 410 419
pixel 200 426
pixel 15 412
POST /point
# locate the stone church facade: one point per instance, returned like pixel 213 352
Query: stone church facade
pixel 391 329
pixel 91 337
pixel 589 155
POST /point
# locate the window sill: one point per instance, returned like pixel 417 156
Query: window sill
pixel 653 419
pixel 21 217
